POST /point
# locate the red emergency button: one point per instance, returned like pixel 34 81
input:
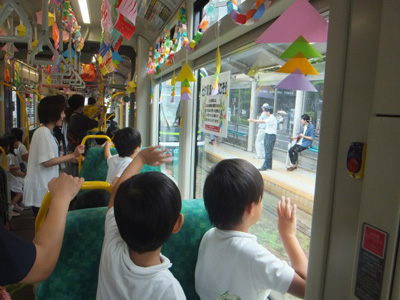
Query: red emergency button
pixel 353 165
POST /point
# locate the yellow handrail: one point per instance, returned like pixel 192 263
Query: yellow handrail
pixel 120 115
pixel 3 152
pixel 44 208
pixel 37 94
pixel 83 143
pixel 108 106
pixel 24 114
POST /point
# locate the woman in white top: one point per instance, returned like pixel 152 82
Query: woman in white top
pixel 44 152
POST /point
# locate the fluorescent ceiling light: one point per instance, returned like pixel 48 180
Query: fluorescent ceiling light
pixel 84 11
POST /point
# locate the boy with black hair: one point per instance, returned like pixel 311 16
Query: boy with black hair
pixel 128 142
pixel 230 260
pixel 131 265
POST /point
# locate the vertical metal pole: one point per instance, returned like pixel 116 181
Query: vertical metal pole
pixel 253 115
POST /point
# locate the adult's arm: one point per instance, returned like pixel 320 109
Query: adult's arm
pixel 65 158
pixel 150 156
pixel 49 239
pixel 107 152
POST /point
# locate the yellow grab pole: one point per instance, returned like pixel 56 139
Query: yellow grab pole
pixel 3 152
pixel 84 141
pixel 44 208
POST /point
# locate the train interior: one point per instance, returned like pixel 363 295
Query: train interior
pixel 155 65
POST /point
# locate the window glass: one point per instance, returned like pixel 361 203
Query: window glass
pixel 169 116
pixel 253 83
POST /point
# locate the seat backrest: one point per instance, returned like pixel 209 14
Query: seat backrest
pixel 95 167
pixel 76 273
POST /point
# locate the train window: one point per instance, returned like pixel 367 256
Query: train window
pixel 169 116
pixel 253 78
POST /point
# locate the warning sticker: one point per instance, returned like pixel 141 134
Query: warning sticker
pixel 371 263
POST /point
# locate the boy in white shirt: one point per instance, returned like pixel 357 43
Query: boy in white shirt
pixel 230 260
pixel 128 142
pixel 147 210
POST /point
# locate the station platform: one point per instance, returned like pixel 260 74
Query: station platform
pixel 299 185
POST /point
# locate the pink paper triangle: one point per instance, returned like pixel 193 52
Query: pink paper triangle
pixel 296 81
pixel 300 18
pixel 185 96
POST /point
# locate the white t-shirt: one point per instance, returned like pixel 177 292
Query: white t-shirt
pixel 233 261
pixel 16 182
pixel 120 278
pixel 21 150
pixel 43 148
pixel 116 166
pixel 271 125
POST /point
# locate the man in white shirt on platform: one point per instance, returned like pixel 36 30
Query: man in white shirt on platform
pixel 261 134
pixel 271 126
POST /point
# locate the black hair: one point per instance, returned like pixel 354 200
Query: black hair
pixel 10 141
pixel 306 117
pixel 93 198
pixel 231 186
pixel 100 141
pixel 111 130
pixel 4 143
pixel 91 101
pixel 76 101
pixel 127 140
pixel 146 215
pixel 270 110
pixel 18 133
pixel 50 109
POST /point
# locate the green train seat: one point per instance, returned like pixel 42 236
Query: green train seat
pixel 76 273
pixel 95 167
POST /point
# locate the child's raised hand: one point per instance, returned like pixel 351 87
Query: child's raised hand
pixel 65 186
pixel 79 150
pixel 286 217
pixel 154 156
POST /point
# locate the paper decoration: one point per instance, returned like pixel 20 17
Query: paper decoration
pixel 218 69
pixel 21 30
pixel 126 29
pixel 296 81
pixel 116 57
pixel 298 62
pixel 7 77
pixel 39 18
pixel 5 48
pixel 173 82
pixel 131 87
pixel 56 36
pixel 300 18
pixel 185 73
pixel 48 80
pixel 303 46
pixel 251 16
pixel 128 8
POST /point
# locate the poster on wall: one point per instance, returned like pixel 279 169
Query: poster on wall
pixel 214 108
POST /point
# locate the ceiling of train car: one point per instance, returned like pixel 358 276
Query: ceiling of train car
pixel 148 23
